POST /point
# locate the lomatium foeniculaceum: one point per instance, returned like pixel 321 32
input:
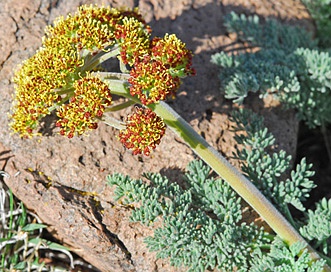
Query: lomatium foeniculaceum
pixel 62 75
pixel 65 76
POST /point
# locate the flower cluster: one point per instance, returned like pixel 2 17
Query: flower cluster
pixel 91 97
pixel 144 130
pixel 151 81
pixel 90 28
pixel 45 81
pixel 157 76
pixel 173 52
pixel 58 77
pixel 35 89
pixel 133 39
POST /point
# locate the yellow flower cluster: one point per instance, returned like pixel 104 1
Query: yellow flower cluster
pixel 133 38
pixel 58 76
pixel 45 81
pixel 90 28
pixel 144 130
pixel 91 97
pixel 35 85
pixel 151 81
pixel 156 76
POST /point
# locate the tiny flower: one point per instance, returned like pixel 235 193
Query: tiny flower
pixel 91 97
pixel 90 28
pixel 151 81
pixel 173 52
pixel 133 38
pixel 34 93
pixel 144 130
pixel 45 81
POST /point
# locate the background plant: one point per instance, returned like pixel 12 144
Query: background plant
pixel 287 65
pixel 320 11
pixel 21 237
pixel 202 223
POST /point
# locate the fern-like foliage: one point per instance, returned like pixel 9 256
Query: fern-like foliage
pixel 320 10
pixel 318 226
pixel 285 259
pixel 271 35
pixel 156 198
pixel 287 65
pixel 266 168
pixel 202 226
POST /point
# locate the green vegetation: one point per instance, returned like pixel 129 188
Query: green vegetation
pixel 203 220
pixel 287 65
pixel 21 240
pixel 202 223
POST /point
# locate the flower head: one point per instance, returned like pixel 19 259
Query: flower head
pixel 144 130
pixel 157 76
pixel 35 94
pixel 90 28
pixel 91 97
pixel 133 37
pixel 151 81
pixel 45 81
pixel 173 52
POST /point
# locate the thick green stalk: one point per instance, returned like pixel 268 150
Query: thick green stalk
pixel 224 169
pixel 230 174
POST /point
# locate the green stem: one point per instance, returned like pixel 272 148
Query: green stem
pixel 224 169
pixel 112 75
pixel 328 260
pixel 230 174
pixel 120 106
pixel 94 61
pixel 289 216
pixel 110 121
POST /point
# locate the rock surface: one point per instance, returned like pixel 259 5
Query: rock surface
pixel 96 228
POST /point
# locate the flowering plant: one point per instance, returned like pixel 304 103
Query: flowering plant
pixel 62 75
pixel 65 76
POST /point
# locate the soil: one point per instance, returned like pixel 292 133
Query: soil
pixel 108 239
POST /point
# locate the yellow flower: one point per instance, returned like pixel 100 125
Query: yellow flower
pixel 151 81
pixel 144 130
pixel 91 28
pixel 91 97
pixel 35 94
pixel 133 37
pixel 173 52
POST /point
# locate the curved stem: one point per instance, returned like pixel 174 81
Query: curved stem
pixel 120 106
pixel 230 174
pixel 224 169
pixel 110 121
pixel 93 61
